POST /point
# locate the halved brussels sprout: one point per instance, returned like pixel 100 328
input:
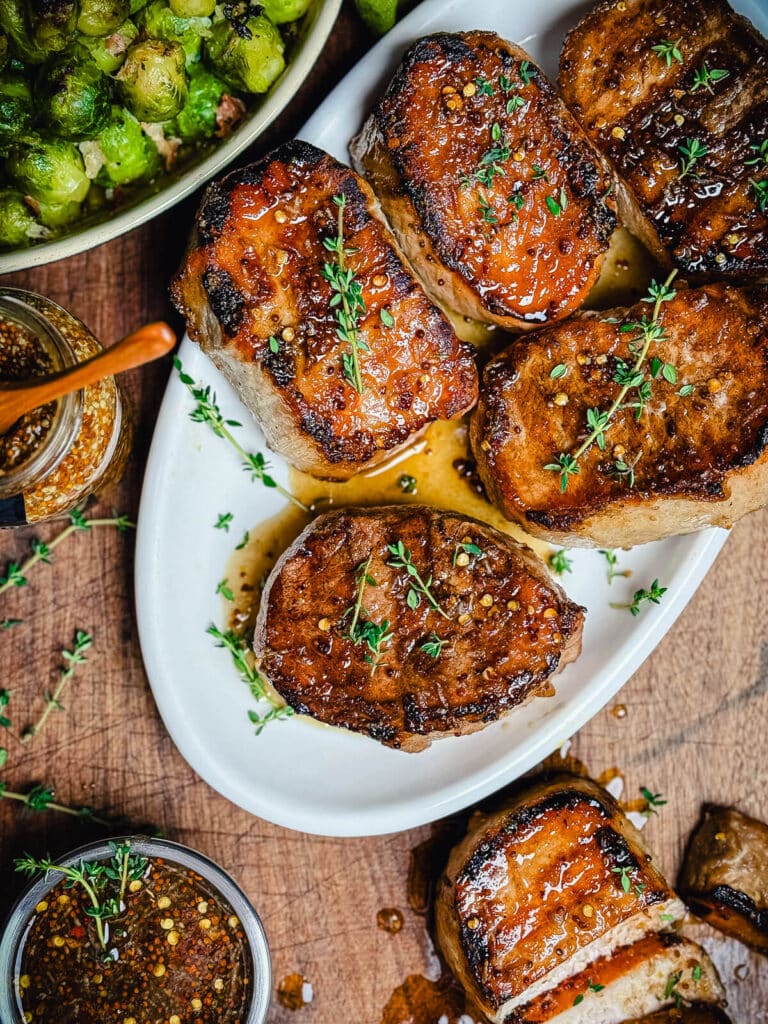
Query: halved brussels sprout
pixel 197 118
pixel 158 21
pixel 246 54
pixel 152 80
pixel 18 225
pixel 72 98
pixel 52 172
pixel 129 155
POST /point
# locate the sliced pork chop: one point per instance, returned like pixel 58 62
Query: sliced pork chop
pixel 352 636
pixel 255 291
pixel 540 890
pixel 676 96
pixel 696 457
pixel 659 971
pixel 725 875
pixel 491 187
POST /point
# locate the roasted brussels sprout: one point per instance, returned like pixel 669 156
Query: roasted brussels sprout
pixel 51 172
pixel 108 52
pixel 72 98
pixel 193 8
pixel 100 17
pixel 53 23
pixel 197 118
pixel 18 226
pixel 281 11
pixel 246 54
pixel 136 6
pixel 15 107
pixel 57 215
pixel 152 80
pixel 128 154
pixel 15 24
pixel 159 22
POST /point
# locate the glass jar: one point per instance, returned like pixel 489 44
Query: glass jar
pixel 55 457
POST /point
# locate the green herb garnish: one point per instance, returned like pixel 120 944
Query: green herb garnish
pixel 72 660
pixel 222 523
pixel 692 150
pixel 653 800
pixel 418 586
pixel 669 51
pixel 254 680
pixel 433 645
pixel 407 484
pixel 347 300
pixel 559 562
pixel 612 559
pixel 703 77
pixel 223 588
pixel 557 206
pixel 653 596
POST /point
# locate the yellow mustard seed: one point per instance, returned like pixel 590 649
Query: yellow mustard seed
pixel 463 619
pixel 205 923
pixel 588 910
pixel 518 156
pixel 202 907
pixel 560 398
pixel 218 984
pixel 618 132
pixel 25 981
pixel 281 216
pixel 462 559
pixel 379 280
pixel 166 924
pixel 163 902
pixel 288 334
pixel 713 385
pixel 514 606
pixel 63 899
pixel 233 921
pixel 41 907
pixel 173 938
pixel 679 120
pixel 158 970
pixel 550 613
pixel 196 1004
pixel 135 885
pixel 58 941
pixel 486 600
pixel 469 89
pixel 324 625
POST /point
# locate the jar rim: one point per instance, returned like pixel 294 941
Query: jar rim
pixel 17 922
pixel 69 409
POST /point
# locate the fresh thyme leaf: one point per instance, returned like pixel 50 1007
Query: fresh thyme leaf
pixel 347 300
pixel 3 757
pixel 539 174
pixel 696 973
pixel 515 103
pixel 653 800
pixel 624 872
pixel 527 72
pixel 669 51
pixel 250 675
pixel 670 990
pixel 558 371
pixel 274 344
pixel 559 562
pixel 486 211
pixel 557 206
pixel 691 151
pixel 5 697
pixel 243 542
pixel 647 331
pixel 578 999
pixel 463 550
pixel 10 623
pixel 652 595
pixel 71 659
pixel 206 410
pixel 760 188
pixel 484 87
pixel 407 484
pixel 703 77
pixel 612 559
pixel 594 987
pixel 222 523
pixel 686 390
pixel 625 471
pixel 761 149
pixel 386 318
pixel 402 559
pixel 517 199
pixel 433 645
pixel 223 588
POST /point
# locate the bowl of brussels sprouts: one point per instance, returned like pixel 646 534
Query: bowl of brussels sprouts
pixel 111 111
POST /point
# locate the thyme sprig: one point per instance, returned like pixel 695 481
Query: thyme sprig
pixel 653 800
pixel 669 50
pixel 72 659
pixel 16 573
pixel 206 410
pixel 613 560
pixel 374 635
pixel 629 377
pixel 760 189
pixel 77 876
pixel 761 151
pixel 652 595
pixel 419 588
pixel 559 562
pixel 691 151
pixel 237 646
pixel 347 300
pixel 40 798
pixel 433 646
pixel 704 76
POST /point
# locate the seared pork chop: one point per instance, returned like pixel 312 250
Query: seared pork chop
pixel 658 971
pixel 491 187
pixel 693 456
pixel 262 292
pixel 542 889
pixel 406 623
pixel 676 95
pixel 725 875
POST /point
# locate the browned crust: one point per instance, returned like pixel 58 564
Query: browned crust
pixel 703 458
pixel 498 953
pixel 724 877
pixel 638 112
pixel 255 272
pixel 510 627
pixel 421 148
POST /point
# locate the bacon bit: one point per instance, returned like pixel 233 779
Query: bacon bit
pixel 167 148
pixel 229 113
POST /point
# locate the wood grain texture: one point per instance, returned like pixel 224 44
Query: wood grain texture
pixel 694 728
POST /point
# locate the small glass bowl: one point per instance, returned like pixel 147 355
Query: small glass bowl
pixel 14 932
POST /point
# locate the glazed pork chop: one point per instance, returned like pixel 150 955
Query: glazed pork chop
pixel 676 96
pixel 658 971
pixel 491 187
pixel 685 450
pixel 725 875
pixel 539 891
pixel 406 623
pixel 334 348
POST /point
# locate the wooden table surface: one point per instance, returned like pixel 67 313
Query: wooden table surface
pixel 694 730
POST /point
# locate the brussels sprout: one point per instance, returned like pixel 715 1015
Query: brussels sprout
pixel 152 80
pixel 159 22
pixel 136 6
pixel 53 23
pixel 15 106
pixel 108 52
pixel 17 222
pixel 197 118
pixel 100 17
pixel 72 98
pixel 193 8
pixel 57 215
pixel 15 24
pixel 128 154
pixel 281 11
pixel 52 172
pixel 248 55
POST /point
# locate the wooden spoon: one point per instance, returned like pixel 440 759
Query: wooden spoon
pixel 148 343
